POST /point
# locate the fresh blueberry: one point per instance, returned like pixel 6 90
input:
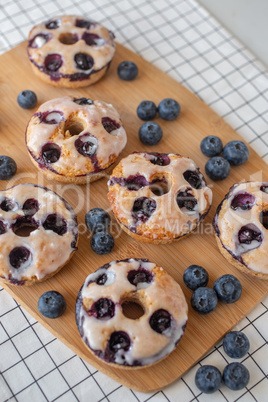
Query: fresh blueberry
pixel 146 110
pixel 236 344
pixel 97 220
pixel 27 99
pixel 208 379
pixel 217 168
pixel 169 109
pixel 235 152
pixel 8 167
pixel 150 133
pixel 204 300
pixel 211 146
pixel 195 277
pixel 235 376
pixel 102 243
pixel 51 304
pixel 127 70
pixel 228 288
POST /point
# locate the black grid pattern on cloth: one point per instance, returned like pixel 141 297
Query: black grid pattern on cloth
pixel 182 39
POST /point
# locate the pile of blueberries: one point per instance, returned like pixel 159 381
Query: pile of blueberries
pixel 208 379
pixel 204 300
pixel 98 221
pixel 235 153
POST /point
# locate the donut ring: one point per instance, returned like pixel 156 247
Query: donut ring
pixel 241 228
pixel 27 258
pixel 119 340
pixel 158 198
pixel 70 51
pixel 75 140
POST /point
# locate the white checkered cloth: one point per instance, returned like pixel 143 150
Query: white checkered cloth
pixel 182 39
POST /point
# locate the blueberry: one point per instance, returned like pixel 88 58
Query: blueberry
pixel 204 300
pixel 169 109
pixel 208 379
pixel 83 61
pixel 109 124
pixel 8 167
pixel 147 110
pixel 119 340
pixel 249 233
pixel 50 152
pixel 143 208
pixel 235 152
pixel 235 376
pixel 127 70
pixel 211 145
pixel 83 101
pixel 27 99
pixel 186 200
pixel 236 344
pixel 97 220
pixel 228 288
pixel 20 257
pixel 217 168
pixel 51 304
pixel 160 320
pixel 53 62
pixel 195 277
pixel 56 223
pixel 150 133
pixel 102 309
pixel 53 24
pixel 102 243
pixel 140 275
pixel 243 201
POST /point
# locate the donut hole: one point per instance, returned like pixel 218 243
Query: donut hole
pixel 132 308
pixel 264 219
pixel 24 226
pixel 160 184
pixel 73 126
pixel 68 38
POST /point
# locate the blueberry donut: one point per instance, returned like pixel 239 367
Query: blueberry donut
pixel 70 51
pixel 75 140
pixel 158 198
pixel 117 339
pixel 241 228
pixel 38 234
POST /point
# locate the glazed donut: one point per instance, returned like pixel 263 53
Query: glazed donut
pixel 119 340
pixel 158 198
pixel 75 140
pixel 70 51
pixel 241 228
pixel 38 234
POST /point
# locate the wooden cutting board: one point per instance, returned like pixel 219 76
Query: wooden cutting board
pixel 181 136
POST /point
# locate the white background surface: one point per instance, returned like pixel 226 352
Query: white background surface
pixel 182 39
pixel 246 19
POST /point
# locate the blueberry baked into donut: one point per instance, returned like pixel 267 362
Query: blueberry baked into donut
pixel 158 198
pixel 38 234
pixel 117 339
pixel 241 228
pixel 75 140
pixel 70 51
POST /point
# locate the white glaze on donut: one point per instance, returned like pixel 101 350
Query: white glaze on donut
pixel 228 223
pixel 71 163
pixel 147 345
pixel 168 220
pixel 102 53
pixel 49 250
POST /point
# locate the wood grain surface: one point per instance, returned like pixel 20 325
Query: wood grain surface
pixel 181 136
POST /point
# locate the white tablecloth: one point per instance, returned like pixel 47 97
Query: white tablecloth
pixel 181 38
